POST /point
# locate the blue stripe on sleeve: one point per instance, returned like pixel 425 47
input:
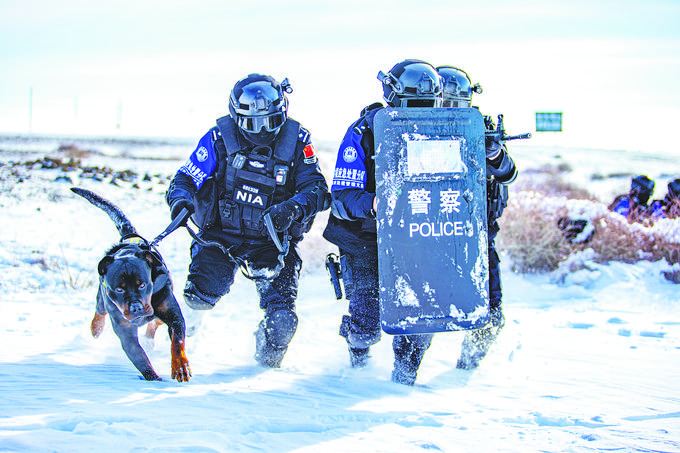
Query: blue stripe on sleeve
pixel 350 170
pixel 202 161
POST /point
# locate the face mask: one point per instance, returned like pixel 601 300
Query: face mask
pixel 261 138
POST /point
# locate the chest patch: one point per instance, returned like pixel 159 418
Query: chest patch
pixel 251 196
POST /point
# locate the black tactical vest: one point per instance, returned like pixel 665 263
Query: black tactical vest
pixel 248 179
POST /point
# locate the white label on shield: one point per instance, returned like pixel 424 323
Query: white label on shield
pixel 434 157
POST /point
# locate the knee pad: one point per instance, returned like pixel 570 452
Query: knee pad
pixel 280 327
pixel 198 300
pixel 363 340
pixel 356 339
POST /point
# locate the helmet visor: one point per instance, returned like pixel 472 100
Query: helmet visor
pixel 255 124
pixel 455 103
pixel 420 102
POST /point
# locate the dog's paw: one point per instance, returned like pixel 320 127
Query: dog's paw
pixel 181 372
pixel 180 367
pixel 97 325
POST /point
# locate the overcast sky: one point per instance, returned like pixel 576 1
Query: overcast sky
pixel 165 68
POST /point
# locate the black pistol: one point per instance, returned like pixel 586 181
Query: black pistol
pixel 335 272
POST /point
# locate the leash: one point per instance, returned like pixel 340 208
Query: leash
pixel 181 219
pixel 282 248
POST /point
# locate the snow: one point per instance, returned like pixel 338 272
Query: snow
pixel 587 361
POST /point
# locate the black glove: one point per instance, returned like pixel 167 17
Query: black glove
pixel 179 204
pixel 284 214
pixel 492 146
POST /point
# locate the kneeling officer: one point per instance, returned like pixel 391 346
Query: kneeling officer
pixel 256 166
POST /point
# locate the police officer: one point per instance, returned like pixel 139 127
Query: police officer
pixel 500 171
pixel 256 163
pixel 352 225
pixel 669 206
pixel 634 204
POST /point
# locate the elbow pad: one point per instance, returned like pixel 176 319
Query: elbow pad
pixel 316 200
pixel 503 169
pixel 323 198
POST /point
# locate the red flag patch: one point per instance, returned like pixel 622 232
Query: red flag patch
pixel 309 151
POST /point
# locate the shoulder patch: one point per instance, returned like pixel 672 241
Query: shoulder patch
pixel 216 134
pixel 304 135
pixel 310 156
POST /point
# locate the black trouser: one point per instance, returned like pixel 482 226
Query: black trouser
pixel 495 289
pixel 409 351
pixel 212 273
pixel 360 276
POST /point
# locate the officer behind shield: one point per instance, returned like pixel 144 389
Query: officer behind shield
pixel 352 225
pixel 256 163
pixel 500 171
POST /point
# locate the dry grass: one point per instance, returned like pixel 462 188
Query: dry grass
pixel 547 180
pixel 530 237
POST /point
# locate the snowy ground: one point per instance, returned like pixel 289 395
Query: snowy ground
pixel 589 364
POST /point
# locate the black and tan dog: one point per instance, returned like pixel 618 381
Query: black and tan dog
pixel 135 289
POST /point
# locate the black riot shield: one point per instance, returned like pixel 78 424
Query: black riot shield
pixel 432 222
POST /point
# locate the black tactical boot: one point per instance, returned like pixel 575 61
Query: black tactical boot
pixel 477 342
pixel 402 375
pixel 408 353
pixel 273 334
pixel 358 357
pixel 198 304
pixel 404 371
pixel 266 354
pixel 196 299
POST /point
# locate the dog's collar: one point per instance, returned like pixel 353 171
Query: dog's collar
pixel 133 239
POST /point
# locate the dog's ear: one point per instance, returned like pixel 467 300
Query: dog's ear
pixel 104 264
pixel 151 259
pixel 154 261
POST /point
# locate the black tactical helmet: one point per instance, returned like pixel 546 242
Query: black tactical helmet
pixel 258 104
pixel 412 83
pixel 457 90
pixel 674 188
pixel 643 187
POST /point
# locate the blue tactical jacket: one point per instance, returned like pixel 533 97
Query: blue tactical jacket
pixel 303 181
pixel 352 220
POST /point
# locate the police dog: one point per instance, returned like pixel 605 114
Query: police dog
pixel 135 289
